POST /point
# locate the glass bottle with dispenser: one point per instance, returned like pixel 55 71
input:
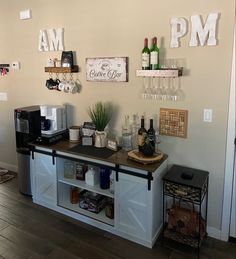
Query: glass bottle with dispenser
pixel 134 128
pixel 126 135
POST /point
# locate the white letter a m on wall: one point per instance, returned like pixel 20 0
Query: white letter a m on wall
pixel 56 39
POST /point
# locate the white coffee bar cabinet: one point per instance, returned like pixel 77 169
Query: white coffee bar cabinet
pixel 137 192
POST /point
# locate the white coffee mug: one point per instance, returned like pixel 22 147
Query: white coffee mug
pixel 67 88
pixel 70 87
pixel 73 88
pixel 61 86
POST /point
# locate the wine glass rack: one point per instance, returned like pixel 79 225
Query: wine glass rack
pixel 175 72
pixel 162 84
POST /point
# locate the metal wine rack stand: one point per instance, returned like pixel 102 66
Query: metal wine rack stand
pixel 191 186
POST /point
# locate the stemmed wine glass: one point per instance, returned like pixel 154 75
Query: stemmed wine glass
pixel 179 93
pixel 145 93
pixel 157 89
pixel 173 90
pixel 163 89
pixel 152 88
pixel 170 92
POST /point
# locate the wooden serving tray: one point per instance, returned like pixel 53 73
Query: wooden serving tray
pixel 140 158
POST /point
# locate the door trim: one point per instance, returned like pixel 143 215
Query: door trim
pixel 230 154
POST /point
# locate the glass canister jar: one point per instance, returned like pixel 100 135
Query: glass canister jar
pixel 74 195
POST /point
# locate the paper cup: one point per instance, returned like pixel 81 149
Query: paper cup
pixel 74 133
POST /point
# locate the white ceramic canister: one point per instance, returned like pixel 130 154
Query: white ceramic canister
pixel 92 176
pixel 74 133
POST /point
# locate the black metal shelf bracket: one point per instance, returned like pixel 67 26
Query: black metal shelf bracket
pixel 150 178
pixel 117 172
pixel 53 156
pixel 32 149
pixel 147 176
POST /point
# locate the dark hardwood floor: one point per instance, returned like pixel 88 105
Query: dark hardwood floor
pixel 29 231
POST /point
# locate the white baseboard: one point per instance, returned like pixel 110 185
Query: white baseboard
pixel 10 167
pixel 214 232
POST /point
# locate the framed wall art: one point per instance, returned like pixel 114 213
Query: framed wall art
pixel 114 69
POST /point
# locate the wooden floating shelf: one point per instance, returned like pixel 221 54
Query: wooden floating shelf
pixel 160 73
pixel 73 69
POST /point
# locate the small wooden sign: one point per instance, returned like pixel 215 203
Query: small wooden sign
pixel 107 69
pixel 173 122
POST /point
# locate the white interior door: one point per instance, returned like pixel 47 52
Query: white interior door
pixel 228 211
pixel 232 228
pixel 233 211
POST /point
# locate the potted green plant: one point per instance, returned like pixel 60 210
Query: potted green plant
pixel 100 114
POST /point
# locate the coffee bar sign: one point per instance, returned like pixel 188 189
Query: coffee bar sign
pixel 113 69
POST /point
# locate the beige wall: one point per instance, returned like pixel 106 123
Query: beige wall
pixel 117 28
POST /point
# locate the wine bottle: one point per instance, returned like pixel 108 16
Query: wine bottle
pixel 154 55
pixel 145 56
pixel 141 135
pixel 151 134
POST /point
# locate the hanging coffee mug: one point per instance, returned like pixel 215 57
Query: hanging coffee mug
pixel 56 84
pixel 67 87
pixel 73 88
pixel 61 86
pixel 49 83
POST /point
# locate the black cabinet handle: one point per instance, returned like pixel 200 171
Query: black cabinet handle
pixel 32 152
pixel 117 172
pixel 53 156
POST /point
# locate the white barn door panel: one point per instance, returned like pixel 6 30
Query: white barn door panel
pixel 132 206
pixel 44 185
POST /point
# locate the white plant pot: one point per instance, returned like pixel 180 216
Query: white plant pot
pixel 100 138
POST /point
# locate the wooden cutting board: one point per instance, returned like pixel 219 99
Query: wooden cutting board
pixel 139 157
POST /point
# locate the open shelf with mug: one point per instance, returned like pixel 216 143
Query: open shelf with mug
pixel 68 85
pixel 74 69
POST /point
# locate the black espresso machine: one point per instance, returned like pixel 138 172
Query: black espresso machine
pixel 41 124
